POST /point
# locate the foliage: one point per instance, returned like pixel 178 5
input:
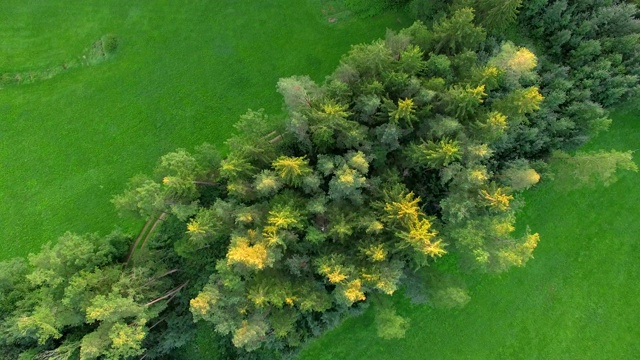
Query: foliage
pixel 409 118
pixel 389 325
pixel 497 15
pixel 457 33
pixel 427 10
pixel 76 298
pixel 368 137
pixel 590 62
pixel 537 309
pixel 588 169
pixel 597 40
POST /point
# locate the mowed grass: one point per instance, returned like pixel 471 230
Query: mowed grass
pixel 183 74
pixel 578 299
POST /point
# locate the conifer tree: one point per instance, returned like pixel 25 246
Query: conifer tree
pixel 497 15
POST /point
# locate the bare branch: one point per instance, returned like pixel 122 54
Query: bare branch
pixel 169 295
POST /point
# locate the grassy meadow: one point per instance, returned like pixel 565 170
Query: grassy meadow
pixel 182 75
pixel 576 300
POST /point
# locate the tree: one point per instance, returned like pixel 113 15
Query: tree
pixel 587 169
pixel 519 176
pixel 292 169
pixel 298 92
pixel 518 63
pixel 497 15
pixel 180 176
pixel 456 33
pixel 435 154
pixel 390 325
pixel 463 102
pixel 405 110
pixel 520 102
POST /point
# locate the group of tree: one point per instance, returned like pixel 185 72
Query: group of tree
pixel 591 62
pixel 493 15
pixel 588 61
pixel 412 152
pixel 81 299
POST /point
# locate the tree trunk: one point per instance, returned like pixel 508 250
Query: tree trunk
pixel 135 243
pixel 161 218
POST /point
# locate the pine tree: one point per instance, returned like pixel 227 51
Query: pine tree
pixel 456 33
pixel 497 15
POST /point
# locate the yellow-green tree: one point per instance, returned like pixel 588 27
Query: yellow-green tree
pixel 291 169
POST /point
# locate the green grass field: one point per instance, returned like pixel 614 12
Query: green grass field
pixel 183 74
pixel 576 300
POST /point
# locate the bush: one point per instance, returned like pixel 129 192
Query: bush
pixel 109 44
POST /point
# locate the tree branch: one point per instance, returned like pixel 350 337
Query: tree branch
pixel 170 294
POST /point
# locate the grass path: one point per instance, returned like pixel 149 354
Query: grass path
pixel 183 74
pixel 577 299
